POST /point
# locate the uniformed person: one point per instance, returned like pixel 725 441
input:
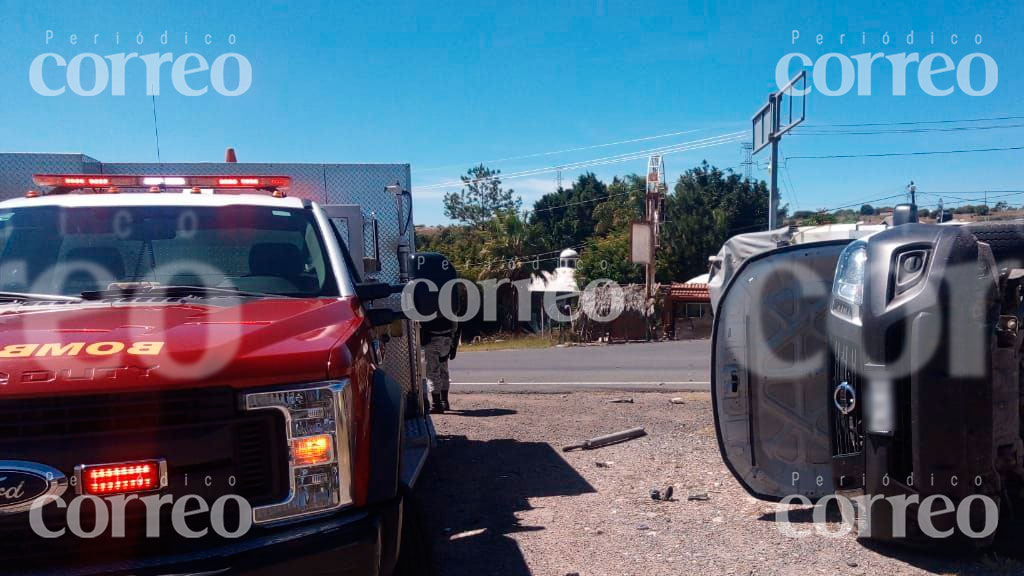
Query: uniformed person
pixel 440 340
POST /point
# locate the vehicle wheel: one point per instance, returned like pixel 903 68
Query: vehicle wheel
pixel 1005 238
pixel 415 557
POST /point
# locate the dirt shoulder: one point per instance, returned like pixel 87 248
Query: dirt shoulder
pixel 502 498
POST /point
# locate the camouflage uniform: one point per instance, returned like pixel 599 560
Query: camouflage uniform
pixel 437 351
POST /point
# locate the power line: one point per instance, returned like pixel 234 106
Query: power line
pixel 527 258
pixel 680 147
pixel 792 188
pixel 997 194
pixel 598 199
pixel 565 151
pixel 916 122
pixel 902 130
pixel 918 153
pixel 669 149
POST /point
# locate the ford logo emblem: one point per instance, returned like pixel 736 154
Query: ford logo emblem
pixel 21 483
pixel 845 398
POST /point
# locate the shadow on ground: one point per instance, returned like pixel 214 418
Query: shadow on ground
pixel 483 412
pixel 471 491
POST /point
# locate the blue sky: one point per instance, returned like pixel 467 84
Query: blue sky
pixel 444 85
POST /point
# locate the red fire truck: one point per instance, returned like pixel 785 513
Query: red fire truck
pixel 209 374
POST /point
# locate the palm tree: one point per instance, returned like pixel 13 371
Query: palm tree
pixel 505 254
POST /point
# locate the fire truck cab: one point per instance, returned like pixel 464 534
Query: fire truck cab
pixel 211 374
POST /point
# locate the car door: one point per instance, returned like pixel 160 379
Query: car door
pixel 770 371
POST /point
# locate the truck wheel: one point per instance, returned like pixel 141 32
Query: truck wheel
pixel 414 557
pixel 1005 238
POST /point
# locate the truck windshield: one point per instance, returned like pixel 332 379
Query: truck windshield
pixel 68 251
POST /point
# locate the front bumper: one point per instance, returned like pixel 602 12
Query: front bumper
pixel 362 542
pixel 934 349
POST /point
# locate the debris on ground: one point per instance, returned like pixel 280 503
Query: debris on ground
pixel 621 401
pixel 467 534
pixel 699 497
pixel 663 496
pixel 537 515
pixel 677 401
pixel 607 464
pixel 607 439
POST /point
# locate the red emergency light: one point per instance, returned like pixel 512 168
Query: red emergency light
pixel 62 183
pixel 121 477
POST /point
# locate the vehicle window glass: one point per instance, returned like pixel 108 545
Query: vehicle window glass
pixel 317 261
pixel 253 248
pixel 340 228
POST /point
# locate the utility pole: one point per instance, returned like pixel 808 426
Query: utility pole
pixel 769 128
pixel 773 191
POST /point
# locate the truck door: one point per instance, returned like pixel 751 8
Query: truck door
pixel 770 371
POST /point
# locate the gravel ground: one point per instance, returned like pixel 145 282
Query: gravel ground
pixel 502 498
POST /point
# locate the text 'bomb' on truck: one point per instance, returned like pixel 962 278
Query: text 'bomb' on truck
pixel 878 364
pixel 207 374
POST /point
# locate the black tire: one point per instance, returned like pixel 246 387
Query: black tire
pixel 415 557
pixel 1005 238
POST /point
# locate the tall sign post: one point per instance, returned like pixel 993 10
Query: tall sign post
pixel 778 116
pixel 656 188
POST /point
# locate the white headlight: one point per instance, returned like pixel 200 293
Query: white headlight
pixel 319 462
pixel 849 281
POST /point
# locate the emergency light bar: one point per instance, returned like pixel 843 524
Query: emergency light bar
pixel 111 182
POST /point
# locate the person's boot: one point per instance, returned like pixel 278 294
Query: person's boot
pixel 436 404
pixel 444 401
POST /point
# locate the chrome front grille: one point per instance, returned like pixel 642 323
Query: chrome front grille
pixel 847 423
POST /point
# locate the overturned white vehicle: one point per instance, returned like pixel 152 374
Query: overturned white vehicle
pixel 876 362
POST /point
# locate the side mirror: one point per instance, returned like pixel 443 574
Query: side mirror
pixel 369 291
pixel 904 214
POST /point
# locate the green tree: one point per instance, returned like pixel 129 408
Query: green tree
pixel 505 248
pixel 566 217
pixel 461 244
pixel 480 198
pixel 607 255
pixel 867 210
pixel 707 207
pixel 819 218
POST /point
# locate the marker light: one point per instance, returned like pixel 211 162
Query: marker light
pixel 121 477
pixel 312 450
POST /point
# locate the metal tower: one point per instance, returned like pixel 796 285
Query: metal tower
pixel 746 151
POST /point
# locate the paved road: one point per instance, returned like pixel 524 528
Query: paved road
pixel 675 365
